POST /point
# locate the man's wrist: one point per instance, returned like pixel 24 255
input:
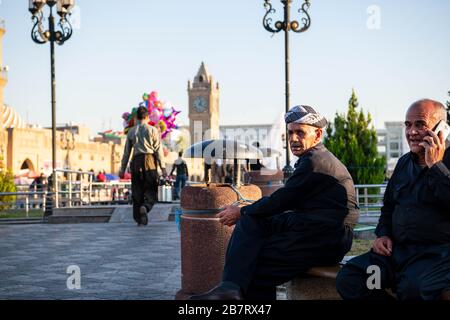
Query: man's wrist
pixel 441 167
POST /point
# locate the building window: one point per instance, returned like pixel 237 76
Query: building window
pixel 394 146
pixel 92 158
pixel 80 157
pixel 394 135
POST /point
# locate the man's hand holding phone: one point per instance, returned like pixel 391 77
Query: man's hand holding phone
pixel 434 143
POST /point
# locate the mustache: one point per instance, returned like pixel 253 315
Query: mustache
pixel 296 146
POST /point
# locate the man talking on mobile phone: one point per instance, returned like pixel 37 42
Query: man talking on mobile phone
pixel 412 250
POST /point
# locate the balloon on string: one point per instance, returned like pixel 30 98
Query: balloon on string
pixel 155 115
pixel 167 112
pixel 161 114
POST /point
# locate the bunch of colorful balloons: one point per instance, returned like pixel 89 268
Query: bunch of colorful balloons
pixel 161 114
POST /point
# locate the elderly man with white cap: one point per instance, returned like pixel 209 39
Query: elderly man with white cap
pixel 299 226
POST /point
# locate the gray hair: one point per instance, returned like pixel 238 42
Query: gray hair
pixel 440 113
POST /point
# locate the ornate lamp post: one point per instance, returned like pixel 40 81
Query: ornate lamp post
pixel 286 26
pixel 59 33
pixel 67 142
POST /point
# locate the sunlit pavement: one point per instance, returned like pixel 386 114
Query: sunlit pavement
pixel 115 260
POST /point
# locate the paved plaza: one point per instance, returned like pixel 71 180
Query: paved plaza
pixel 116 261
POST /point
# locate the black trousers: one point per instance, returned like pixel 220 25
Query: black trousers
pixel 266 252
pixel 144 184
pixel 413 273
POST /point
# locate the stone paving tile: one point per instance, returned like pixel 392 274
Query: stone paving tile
pixel 117 261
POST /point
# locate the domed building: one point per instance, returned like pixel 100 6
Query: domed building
pixel 10 118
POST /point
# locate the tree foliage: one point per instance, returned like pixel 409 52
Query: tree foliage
pixel 6 185
pixel 353 140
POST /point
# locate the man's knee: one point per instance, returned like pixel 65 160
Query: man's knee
pixel 408 287
pixel 432 286
pixel 351 283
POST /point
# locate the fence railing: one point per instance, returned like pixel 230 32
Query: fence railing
pixel 24 201
pixel 370 198
pixel 79 189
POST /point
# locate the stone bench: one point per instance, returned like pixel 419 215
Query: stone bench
pixel 320 284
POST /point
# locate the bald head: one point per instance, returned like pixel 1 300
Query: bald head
pixel 434 109
pixel 421 117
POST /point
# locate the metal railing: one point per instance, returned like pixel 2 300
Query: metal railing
pixel 24 201
pixel 86 192
pixel 70 192
pixel 370 198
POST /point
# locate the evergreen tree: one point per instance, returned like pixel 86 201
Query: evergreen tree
pixel 353 140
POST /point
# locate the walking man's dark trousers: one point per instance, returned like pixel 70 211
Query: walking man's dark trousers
pixel 144 183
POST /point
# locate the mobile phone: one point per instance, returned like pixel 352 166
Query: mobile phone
pixel 444 127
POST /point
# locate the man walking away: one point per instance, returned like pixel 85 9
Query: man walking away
pixel 145 141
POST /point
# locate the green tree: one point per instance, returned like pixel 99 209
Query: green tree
pixel 6 185
pixel 353 140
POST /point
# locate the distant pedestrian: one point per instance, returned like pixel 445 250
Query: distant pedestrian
pixel 38 183
pixel 182 174
pixel 101 177
pixel 145 141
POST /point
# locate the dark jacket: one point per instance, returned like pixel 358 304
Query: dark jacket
pixel 417 203
pixel 321 189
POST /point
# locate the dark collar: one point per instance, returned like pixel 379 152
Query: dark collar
pixel 317 147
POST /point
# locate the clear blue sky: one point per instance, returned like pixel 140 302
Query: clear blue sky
pixel 125 48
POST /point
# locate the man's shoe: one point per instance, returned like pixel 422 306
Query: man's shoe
pixel 224 291
pixel 143 213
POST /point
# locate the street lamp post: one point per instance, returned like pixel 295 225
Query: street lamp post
pixel 67 142
pixel 59 33
pixel 286 26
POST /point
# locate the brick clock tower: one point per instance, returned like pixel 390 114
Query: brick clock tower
pixel 203 107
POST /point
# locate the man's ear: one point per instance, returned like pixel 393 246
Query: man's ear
pixel 319 135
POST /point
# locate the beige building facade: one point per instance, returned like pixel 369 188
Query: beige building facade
pixel 31 148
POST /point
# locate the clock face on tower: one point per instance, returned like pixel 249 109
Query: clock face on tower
pixel 200 104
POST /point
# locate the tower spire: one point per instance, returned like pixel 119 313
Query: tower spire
pixel 203 75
